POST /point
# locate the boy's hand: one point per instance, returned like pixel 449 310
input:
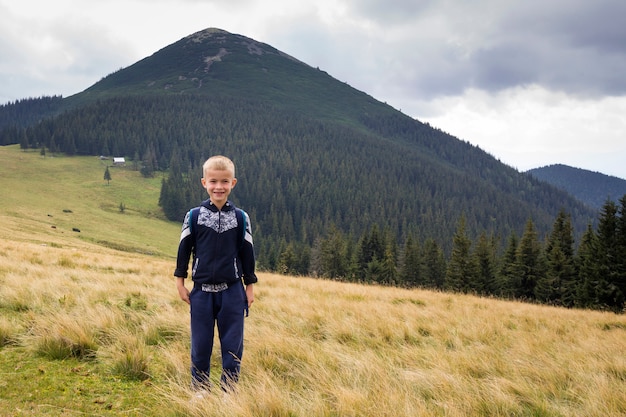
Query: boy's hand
pixel 183 292
pixel 250 294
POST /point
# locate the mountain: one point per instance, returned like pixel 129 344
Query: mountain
pixel 312 152
pixel 592 188
pixel 215 62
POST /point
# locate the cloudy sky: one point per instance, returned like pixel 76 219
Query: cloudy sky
pixel 531 82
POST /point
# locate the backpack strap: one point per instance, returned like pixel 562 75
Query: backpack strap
pixel 242 225
pixel 193 219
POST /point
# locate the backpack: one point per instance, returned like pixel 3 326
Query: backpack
pixel 241 223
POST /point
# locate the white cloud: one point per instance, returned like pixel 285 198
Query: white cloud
pixel 528 127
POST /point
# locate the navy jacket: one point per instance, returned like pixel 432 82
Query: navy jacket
pixel 220 255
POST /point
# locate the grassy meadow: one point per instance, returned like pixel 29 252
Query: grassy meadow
pixel 91 324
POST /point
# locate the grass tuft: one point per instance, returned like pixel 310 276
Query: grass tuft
pixel 8 332
pixel 129 358
pixel 59 337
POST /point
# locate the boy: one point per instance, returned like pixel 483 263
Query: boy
pixel 222 256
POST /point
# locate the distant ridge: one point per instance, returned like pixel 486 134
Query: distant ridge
pixel 592 188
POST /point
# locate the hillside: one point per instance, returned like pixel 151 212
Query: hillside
pixel 312 152
pixel 58 199
pixel 93 330
pixel 592 188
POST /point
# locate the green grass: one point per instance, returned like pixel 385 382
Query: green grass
pixel 54 195
pixel 38 386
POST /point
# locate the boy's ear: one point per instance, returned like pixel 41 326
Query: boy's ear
pixel 234 182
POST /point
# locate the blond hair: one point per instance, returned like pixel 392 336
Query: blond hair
pixel 220 163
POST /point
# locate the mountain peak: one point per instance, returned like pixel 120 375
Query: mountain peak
pixel 220 36
pixel 204 62
pixel 206 33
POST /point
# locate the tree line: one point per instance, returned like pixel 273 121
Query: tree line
pixel 552 270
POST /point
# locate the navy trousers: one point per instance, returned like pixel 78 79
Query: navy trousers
pixel 226 308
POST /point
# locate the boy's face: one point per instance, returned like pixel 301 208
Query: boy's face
pixel 218 183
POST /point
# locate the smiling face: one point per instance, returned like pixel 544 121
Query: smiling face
pixel 218 183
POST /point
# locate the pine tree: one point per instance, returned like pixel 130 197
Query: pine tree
pixel 52 146
pixel 389 272
pixel 620 280
pixel 107 175
pixel 434 265
pixel 529 262
pixel 302 258
pixel 508 278
pixel 462 270
pixel 334 254
pixel 371 248
pixel 24 144
pixel 485 258
pixel 558 284
pixel 588 270
pixel 149 162
pixel 608 289
pixel 411 268
pixel 174 198
pixel 374 271
pixel 287 260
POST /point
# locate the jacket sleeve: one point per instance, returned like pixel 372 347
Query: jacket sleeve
pixel 185 248
pixel 246 254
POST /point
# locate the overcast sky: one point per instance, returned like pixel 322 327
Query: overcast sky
pixel 531 82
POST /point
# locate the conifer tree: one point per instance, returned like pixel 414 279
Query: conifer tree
pixel 558 284
pixel 287 260
pixel 621 248
pixel 24 144
pixel 149 162
pixel 389 273
pixel 485 258
pixel 508 274
pixel 107 175
pixel 608 288
pixel 52 146
pixel 136 162
pixel 462 271
pixel 302 258
pixel 374 271
pixel 334 254
pixel 588 270
pixel 178 195
pixel 371 248
pixel 529 262
pixel 411 267
pixel 433 265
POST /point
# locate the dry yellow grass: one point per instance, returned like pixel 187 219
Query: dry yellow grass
pixel 313 347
